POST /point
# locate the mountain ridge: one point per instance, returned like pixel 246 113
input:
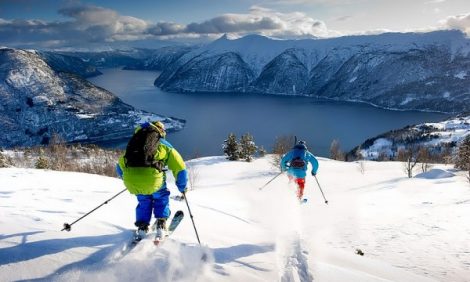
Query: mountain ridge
pixel 410 71
pixel 37 102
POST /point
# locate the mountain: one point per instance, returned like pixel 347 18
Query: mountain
pixel 37 102
pixel 285 74
pixel 440 138
pixel 409 230
pixel 408 71
pixel 64 63
pixel 111 57
pixel 218 73
pixel 160 58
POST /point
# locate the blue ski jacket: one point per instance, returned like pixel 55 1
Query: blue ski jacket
pixel 301 152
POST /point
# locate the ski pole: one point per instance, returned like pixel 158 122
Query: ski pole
pixel 326 201
pixel 261 188
pixel 68 227
pixel 191 216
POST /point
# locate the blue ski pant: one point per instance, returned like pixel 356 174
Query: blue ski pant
pixel 159 202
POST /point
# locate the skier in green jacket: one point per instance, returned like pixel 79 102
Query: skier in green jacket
pixel 147 178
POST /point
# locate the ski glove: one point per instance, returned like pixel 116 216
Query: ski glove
pixel 313 173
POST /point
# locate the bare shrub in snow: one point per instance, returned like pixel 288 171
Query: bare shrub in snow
pixel 62 157
pixel 57 153
pixel 193 175
pixel 409 157
pixel 5 161
pixel 424 157
pixel 335 151
pixel 41 162
pixel 281 146
pixel 261 151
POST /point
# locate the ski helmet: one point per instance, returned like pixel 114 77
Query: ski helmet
pixel 301 145
pixel 160 128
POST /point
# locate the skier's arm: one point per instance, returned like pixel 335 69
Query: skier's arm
pixel 119 170
pixel 178 168
pixel 314 163
pixel 284 161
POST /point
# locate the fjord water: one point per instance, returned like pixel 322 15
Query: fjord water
pixel 211 117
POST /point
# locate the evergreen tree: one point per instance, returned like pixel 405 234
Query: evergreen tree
pixel 463 157
pixel 247 147
pixel 231 147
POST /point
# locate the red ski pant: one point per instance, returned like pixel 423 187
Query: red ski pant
pixel 300 185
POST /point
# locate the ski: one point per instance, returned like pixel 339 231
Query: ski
pixel 175 221
pixel 178 198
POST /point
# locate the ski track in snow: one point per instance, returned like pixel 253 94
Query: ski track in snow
pixel 409 229
pixel 296 266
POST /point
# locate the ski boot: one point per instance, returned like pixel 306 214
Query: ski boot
pixel 161 230
pixel 141 231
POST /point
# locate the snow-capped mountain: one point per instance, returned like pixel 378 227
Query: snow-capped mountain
pixel 161 58
pixel 64 63
pixel 438 137
pixel 423 71
pixel 111 57
pixel 36 102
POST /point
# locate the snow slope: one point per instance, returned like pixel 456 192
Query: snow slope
pixel 409 229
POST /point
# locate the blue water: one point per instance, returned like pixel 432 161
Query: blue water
pixel 211 117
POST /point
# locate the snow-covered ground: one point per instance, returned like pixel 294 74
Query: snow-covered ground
pixel 409 229
pixel 435 135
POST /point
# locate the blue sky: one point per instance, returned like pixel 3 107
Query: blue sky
pixel 71 22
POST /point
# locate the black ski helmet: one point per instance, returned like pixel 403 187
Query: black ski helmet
pixel 301 145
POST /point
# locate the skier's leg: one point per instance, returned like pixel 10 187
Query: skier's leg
pixel 161 203
pixel 300 187
pixel 143 211
pixel 291 178
pixel 161 210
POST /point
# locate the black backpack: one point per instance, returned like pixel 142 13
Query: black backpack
pixel 297 163
pixel 141 149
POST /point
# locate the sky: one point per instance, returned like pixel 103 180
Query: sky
pixel 53 23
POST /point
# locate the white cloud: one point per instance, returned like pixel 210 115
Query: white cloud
pixel 291 24
pixel 92 24
pixel 97 24
pixel 461 22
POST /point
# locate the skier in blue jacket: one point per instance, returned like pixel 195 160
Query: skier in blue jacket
pixel 295 162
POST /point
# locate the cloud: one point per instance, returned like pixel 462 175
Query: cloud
pixel 343 18
pixel 87 24
pixel 315 2
pixel 296 24
pixel 234 23
pixel 461 22
pixel 93 24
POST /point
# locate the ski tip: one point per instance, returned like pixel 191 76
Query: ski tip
pixel 179 213
pixel 303 201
